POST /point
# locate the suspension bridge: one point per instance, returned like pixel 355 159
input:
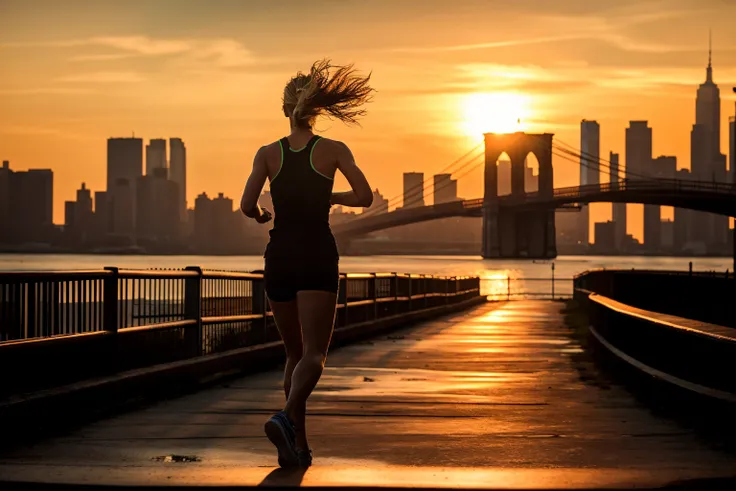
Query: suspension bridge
pixel 522 224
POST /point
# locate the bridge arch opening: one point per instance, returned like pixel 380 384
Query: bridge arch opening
pixel 503 179
pixel 531 173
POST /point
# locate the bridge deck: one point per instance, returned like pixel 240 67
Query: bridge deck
pixel 500 396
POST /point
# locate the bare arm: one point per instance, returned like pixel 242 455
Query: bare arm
pixel 361 194
pixel 253 187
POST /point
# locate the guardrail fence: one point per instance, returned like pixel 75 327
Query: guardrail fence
pixel 95 322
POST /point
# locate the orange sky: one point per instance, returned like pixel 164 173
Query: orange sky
pixel 77 72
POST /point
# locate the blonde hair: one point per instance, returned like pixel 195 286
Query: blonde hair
pixel 335 95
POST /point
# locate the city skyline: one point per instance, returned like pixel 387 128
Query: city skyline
pixel 110 74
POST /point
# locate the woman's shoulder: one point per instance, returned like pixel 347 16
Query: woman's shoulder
pixel 335 145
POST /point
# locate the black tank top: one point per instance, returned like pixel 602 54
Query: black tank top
pixel 301 205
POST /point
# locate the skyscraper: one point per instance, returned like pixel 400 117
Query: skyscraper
pixel 29 202
pixel 683 219
pixel 155 156
pixel 590 135
pixel 707 162
pixel 158 218
pixel 590 132
pixel 619 209
pixel 413 189
pixel 124 160
pixel 732 147
pixel 124 167
pixel 708 108
pixel 178 172
pixel 638 149
pixel 445 188
pixel 5 202
pixel 663 167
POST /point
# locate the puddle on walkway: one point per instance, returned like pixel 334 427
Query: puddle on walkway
pixel 177 459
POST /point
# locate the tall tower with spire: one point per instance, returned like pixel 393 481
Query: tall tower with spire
pixel 707 163
pixel 708 114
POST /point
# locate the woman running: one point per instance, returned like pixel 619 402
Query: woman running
pixel 301 273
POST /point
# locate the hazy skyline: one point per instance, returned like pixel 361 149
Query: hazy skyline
pixel 211 73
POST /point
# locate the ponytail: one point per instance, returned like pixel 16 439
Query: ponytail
pixel 337 95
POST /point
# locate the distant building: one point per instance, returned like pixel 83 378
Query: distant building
pixel 667 242
pixel 682 226
pixel 413 189
pixel 379 205
pixel 590 134
pixel 214 223
pixel 340 215
pixel 638 166
pixel 124 167
pixel 504 177
pixel 79 217
pixel 619 209
pixel 638 149
pixel 531 180
pixel 732 147
pixel 158 217
pixel 124 160
pixel 103 216
pixel 605 241
pixel 178 171
pixel 662 167
pixel 26 205
pixel 445 188
pixel 121 199
pixel 5 202
pixel 155 156
pixel 707 163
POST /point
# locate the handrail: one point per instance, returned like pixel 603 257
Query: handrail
pixel 56 328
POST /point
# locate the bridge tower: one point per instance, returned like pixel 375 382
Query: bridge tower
pixel 511 231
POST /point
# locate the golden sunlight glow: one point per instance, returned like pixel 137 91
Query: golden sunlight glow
pixel 495 112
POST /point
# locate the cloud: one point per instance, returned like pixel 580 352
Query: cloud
pixel 222 52
pixel 101 57
pixel 607 28
pixel 143 45
pixel 226 53
pixel 45 91
pixel 102 77
pixel 23 130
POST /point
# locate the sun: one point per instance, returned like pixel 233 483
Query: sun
pixel 495 112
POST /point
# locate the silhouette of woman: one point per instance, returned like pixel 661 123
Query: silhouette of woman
pixel 301 272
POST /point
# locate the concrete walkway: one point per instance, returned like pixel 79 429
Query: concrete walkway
pixel 498 396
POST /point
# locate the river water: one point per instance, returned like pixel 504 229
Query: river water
pixel 500 276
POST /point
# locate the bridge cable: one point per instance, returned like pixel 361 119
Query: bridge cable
pixel 419 188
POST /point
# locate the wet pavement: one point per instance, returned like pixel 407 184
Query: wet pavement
pixel 498 396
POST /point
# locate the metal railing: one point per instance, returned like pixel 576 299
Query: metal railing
pixel 510 288
pixel 110 320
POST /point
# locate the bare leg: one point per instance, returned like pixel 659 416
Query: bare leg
pixel 286 315
pixel 317 317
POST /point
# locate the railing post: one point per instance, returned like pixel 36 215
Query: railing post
pixel 31 309
pixel 508 287
pixel 372 294
pixel 193 304
pixel 342 297
pixel 259 304
pixel 110 302
pixel 410 292
pixel 553 281
pixel 395 286
pixel 424 289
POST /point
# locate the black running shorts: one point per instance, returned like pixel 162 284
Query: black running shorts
pixel 284 277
